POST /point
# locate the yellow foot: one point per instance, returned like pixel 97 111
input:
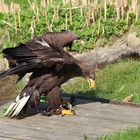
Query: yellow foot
pixel 67 112
pixel 66 105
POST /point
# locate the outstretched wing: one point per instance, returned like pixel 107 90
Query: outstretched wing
pixel 30 56
pixel 36 49
pixel 43 52
pixel 60 39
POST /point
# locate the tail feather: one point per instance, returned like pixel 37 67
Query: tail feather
pixel 8 112
pixel 20 105
pixel 16 107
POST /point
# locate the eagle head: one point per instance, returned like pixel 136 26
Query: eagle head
pixel 88 72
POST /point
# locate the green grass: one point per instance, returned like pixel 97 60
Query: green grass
pixel 116 81
pixel 99 32
pixel 130 134
pixel 20 86
pixel 23 3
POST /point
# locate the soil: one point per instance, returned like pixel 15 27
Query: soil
pixel 8 88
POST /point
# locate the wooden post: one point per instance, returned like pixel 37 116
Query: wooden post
pixel 99 23
pixel 66 22
pixel 128 18
pixel 19 20
pixel 117 9
pixel 15 23
pixel 31 6
pixel 105 8
pixel 81 10
pixel 37 11
pixel 93 16
pixel 8 34
pixel 137 11
pixel 70 16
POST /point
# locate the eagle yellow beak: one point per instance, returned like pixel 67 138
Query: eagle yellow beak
pixel 91 83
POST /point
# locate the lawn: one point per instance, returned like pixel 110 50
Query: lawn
pixel 116 81
pixel 131 134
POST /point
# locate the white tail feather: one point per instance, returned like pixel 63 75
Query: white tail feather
pixel 20 105
pixel 16 107
pixel 9 109
pixel 18 97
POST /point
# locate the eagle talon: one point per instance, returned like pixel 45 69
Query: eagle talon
pixel 67 112
pixel 67 108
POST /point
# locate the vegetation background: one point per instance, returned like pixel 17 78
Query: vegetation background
pixel 97 22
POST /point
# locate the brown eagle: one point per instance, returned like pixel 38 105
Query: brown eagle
pixel 50 65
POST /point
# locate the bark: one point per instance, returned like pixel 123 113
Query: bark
pixel 99 57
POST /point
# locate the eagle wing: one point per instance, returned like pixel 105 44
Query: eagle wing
pixel 60 39
pixel 35 54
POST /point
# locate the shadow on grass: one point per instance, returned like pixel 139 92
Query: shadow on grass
pixel 84 97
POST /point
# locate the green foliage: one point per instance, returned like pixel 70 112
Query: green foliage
pixel 86 137
pixel 130 134
pixel 4 109
pixel 20 86
pixel 98 29
pixel 110 12
pixel 137 27
pixel 23 3
pixel 116 82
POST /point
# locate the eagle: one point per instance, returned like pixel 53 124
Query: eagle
pixel 50 66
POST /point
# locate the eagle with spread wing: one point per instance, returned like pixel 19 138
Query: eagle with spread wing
pixel 50 66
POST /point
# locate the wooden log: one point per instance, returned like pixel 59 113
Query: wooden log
pixel 100 57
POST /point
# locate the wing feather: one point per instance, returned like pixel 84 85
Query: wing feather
pixel 37 53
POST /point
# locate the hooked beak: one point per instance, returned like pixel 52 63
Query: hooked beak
pixel 91 83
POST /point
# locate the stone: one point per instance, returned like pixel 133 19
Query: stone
pixel 133 40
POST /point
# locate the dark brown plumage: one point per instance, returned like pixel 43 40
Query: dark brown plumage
pixel 50 65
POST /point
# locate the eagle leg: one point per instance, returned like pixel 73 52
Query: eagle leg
pixel 67 108
pixel 57 105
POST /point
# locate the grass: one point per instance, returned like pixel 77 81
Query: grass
pixel 94 24
pixel 20 86
pixel 116 81
pixel 130 134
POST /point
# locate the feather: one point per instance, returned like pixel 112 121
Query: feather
pixel 9 109
pixel 13 109
pixel 20 68
pixel 16 107
pixel 21 103
pixel 43 42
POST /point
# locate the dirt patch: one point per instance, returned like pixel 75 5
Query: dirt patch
pixel 8 88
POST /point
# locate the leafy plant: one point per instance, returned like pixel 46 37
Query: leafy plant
pixel 4 109
pixel 17 28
